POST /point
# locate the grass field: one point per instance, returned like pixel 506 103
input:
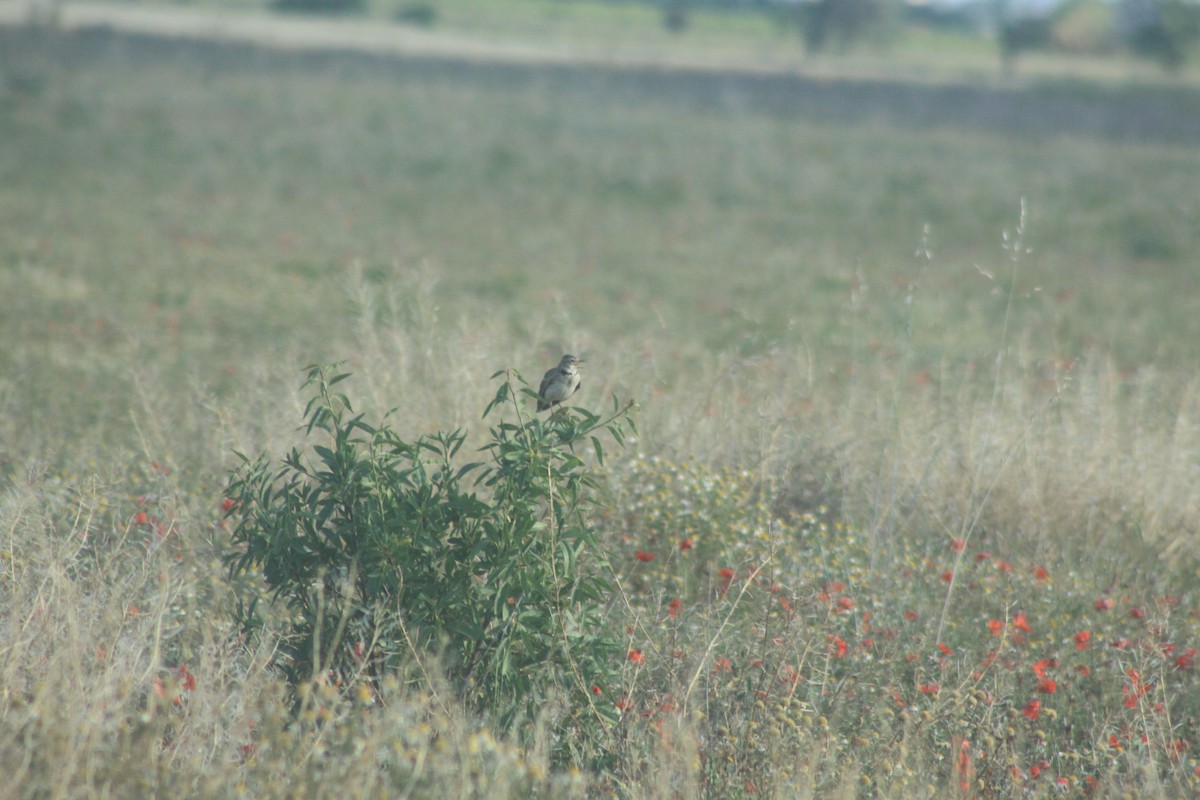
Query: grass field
pixel 918 410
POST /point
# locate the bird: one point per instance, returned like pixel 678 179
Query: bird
pixel 559 383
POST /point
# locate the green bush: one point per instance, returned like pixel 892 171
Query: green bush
pixel 675 16
pixel 1161 30
pixel 321 6
pixel 420 14
pixel 1024 34
pixel 842 23
pixel 386 553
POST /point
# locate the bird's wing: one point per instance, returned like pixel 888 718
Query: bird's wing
pixel 546 379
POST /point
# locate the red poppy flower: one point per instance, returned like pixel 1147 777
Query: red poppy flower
pixel 726 578
pixel 1081 640
pixel 1021 623
pixel 636 657
pixel 965 773
pixel 1032 710
pixel 840 648
pixel 643 556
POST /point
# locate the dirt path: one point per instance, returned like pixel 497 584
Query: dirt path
pixel 1135 113
pixel 369 35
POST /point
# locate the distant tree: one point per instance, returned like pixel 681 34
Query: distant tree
pixel 675 16
pixel 969 17
pixel 1161 30
pixel 320 6
pixel 418 13
pixel 1020 34
pixel 44 13
pixel 837 24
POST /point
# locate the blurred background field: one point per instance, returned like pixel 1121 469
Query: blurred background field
pixel 885 331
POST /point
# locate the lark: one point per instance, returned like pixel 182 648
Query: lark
pixel 559 383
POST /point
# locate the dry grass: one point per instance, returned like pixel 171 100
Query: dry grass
pixel 872 456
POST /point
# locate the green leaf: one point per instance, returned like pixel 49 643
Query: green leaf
pixel 502 394
pixel 566 555
pixel 456 441
pixel 468 468
pixel 614 431
pixel 425 444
